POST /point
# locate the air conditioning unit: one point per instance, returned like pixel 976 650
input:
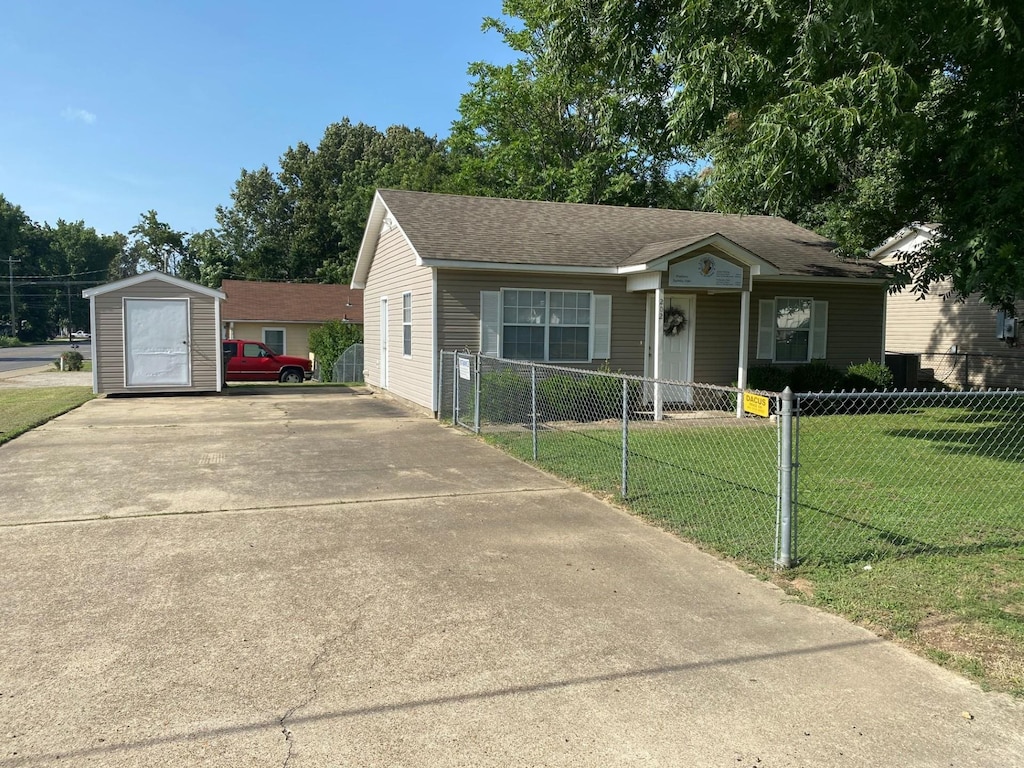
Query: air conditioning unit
pixel 1006 327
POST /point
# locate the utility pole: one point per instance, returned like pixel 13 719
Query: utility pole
pixel 11 261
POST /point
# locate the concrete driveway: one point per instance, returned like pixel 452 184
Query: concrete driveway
pixel 313 578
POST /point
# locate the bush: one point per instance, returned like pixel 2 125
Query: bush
pixel 870 376
pixel 816 377
pixel 70 361
pixel 505 398
pixel 328 342
pixel 767 378
pixel 556 396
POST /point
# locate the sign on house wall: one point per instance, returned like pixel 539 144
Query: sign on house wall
pixel 705 271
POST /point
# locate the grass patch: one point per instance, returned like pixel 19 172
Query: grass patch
pixel 25 409
pixel 909 523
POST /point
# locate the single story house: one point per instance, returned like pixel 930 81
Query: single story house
pixel 592 285
pixel 964 344
pixel 281 315
pixel 155 333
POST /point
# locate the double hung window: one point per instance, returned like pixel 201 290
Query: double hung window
pixel 791 329
pixel 552 326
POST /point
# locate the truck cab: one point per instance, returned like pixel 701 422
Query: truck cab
pixel 246 360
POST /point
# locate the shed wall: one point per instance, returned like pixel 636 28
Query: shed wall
pixel 108 333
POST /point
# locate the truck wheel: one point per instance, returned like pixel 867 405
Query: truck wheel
pixel 291 376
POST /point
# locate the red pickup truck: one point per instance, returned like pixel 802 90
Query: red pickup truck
pixel 255 361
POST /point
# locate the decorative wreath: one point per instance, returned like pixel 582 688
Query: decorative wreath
pixel 673 321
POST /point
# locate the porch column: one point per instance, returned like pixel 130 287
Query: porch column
pixel 659 308
pixel 741 373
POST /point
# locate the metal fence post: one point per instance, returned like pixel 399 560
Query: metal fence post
pixel 625 438
pixel 533 406
pixel 440 382
pixel 476 394
pixel 784 545
pixel 455 388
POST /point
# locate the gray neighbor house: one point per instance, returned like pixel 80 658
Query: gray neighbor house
pixel 596 286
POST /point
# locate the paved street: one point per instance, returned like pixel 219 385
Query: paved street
pixel 15 358
pixel 319 578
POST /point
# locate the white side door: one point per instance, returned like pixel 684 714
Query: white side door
pixel 383 343
pixel 156 343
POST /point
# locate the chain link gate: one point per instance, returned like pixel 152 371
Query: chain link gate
pixel 466 392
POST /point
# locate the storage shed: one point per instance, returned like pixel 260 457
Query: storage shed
pixel 155 333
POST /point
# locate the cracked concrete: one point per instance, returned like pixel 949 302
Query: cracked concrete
pixel 350 584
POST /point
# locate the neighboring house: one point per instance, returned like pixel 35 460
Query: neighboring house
pixel 281 315
pixel 591 285
pixel 962 343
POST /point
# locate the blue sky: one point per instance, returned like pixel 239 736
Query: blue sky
pixel 109 109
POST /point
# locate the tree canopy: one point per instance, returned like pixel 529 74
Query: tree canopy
pixel 305 222
pixel 854 117
pixel 536 130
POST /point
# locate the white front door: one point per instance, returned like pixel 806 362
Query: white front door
pixel 156 343
pixel 676 349
pixel 383 343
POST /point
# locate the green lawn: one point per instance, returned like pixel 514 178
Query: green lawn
pixel 24 409
pixel 911 523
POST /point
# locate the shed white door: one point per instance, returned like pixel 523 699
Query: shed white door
pixel 156 343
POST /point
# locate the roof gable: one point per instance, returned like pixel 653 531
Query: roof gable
pixel 153 275
pixel 250 300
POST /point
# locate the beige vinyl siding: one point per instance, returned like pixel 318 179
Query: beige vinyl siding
pixel 856 315
pixel 716 350
pixel 393 273
pixel 109 337
pixel 296 335
pixel 937 324
pixel 956 340
pixel 458 325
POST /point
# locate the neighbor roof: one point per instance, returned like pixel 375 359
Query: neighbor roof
pixel 290 302
pixel 453 228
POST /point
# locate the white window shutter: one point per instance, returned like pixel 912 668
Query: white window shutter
pixel 602 328
pixel 819 329
pixel 766 329
pixel 490 323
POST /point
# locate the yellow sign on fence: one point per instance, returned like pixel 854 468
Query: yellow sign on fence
pixel 756 404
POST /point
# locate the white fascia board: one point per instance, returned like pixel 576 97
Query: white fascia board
pixel 913 236
pixel 368 245
pixel 643 281
pixel 746 257
pixel 145 277
pixel 379 213
pixel 502 267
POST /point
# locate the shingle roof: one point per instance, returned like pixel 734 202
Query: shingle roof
pixel 528 232
pixel 290 302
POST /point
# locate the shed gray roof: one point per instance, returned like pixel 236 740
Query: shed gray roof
pixel 528 232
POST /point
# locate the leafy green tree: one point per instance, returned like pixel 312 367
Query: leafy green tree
pixel 854 116
pixel 306 221
pixel 154 245
pixel 535 129
pixel 329 341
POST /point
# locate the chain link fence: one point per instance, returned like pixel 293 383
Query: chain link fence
pixel 818 479
pixel 674 452
pixel 349 365
pixel 895 474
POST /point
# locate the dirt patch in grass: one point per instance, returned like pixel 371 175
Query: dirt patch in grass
pixel 974 650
